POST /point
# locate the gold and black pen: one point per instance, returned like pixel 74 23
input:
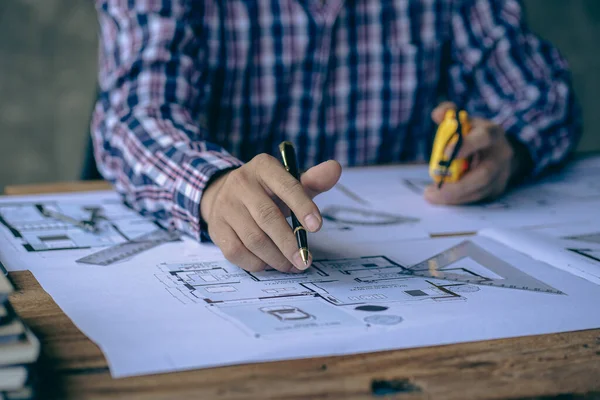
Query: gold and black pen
pixel 288 155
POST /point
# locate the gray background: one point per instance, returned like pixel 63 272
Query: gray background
pixel 48 72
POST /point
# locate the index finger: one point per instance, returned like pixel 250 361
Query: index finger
pixel 273 176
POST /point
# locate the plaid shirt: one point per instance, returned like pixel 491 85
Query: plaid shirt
pixel 189 88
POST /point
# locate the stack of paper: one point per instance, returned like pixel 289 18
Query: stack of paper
pixel 19 349
pixel 520 265
pixel 182 306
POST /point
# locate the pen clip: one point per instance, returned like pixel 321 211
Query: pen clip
pixel 286 148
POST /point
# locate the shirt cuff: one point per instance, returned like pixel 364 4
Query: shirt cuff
pixel 190 186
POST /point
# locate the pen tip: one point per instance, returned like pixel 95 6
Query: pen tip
pixel 304 255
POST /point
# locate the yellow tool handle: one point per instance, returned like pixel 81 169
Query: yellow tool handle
pixel 445 139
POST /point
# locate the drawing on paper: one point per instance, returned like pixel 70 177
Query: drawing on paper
pixel 466 288
pixel 353 282
pixel 287 313
pixel 304 315
pixel 358 293
pixel 53 225
pixel 417 186
pixel 592 254
pixel 331 294
pixel 383 319
pixel 589 238
pixel 469 263
pixel 370 308
pixel 348 217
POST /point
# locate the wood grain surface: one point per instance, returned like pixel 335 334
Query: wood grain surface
pixel 57 187
pixel 565 365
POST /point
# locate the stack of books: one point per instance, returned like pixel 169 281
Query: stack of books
pixel 19 349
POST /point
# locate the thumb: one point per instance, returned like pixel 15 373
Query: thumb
pixel 438 113
pixel 321 178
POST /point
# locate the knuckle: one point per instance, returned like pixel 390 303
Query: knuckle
pixel 237 177
pixel 263 159
pixel 489 137
pixel 232 250
pixel 495 130
pixel 291 187
pixel 268 213
pixel 225 205
pixel 283 266
pixel 256 266
pixel 256 240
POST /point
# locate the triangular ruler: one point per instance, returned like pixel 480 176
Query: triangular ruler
pixel 469 263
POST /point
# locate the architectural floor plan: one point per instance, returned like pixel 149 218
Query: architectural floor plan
pixel 342 294
pixel 338 293
pixel 590 247
pixel 53 225
pixel 184 306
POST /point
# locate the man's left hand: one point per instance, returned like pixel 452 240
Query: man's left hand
pixel 494 162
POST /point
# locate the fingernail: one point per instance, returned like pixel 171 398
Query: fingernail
pixel 298 263
pixel 312 222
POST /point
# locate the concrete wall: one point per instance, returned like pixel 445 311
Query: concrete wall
pixel 47 80
pixel 48 70
pixel 574 27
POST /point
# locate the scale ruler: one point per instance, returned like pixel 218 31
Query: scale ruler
pixel 125 250
pixel 447 266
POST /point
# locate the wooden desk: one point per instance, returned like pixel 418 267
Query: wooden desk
pixel 532 367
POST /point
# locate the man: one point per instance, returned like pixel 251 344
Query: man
pixel 197 95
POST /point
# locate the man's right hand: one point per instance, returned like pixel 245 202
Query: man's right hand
pixel 246 210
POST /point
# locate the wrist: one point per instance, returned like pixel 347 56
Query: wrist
pixel 208 196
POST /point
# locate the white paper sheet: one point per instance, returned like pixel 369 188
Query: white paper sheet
pixel 571 195
pixel 580 258
pixel 347 220
pixel 176 309
pixel 587 230
pixel 182 306
pixel 31 239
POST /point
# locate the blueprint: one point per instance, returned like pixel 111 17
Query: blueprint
pixel 348 219
pixel 565 197
pixel 43 230
pixel 194 309
pixel 579 254
pixel 280 303
pixel 580 237
pixel 585 230
pixel 36 231
pixel 269 302
pixel 378 282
